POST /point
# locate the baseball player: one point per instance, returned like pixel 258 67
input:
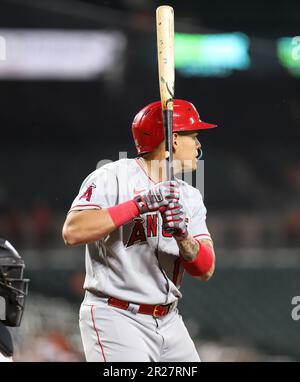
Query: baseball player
pixel 142 233
pixel 13 291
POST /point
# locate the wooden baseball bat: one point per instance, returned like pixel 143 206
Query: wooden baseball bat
pixel 166 75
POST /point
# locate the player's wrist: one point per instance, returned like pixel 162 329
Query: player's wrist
pixel 141 204
pixel 181 236
pixel 188 248
pixel 202 263
pixel 123 213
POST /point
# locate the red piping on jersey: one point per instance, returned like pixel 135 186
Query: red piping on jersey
pixel 102 351
pixel 86 205
pixel 202 234
pixel 138 162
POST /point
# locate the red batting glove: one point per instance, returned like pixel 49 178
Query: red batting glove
pixel 174 221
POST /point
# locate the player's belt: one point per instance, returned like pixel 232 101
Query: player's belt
pixel 152 310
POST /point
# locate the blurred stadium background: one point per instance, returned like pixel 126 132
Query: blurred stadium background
pixel 72 76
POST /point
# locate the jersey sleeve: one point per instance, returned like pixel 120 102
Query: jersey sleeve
pixel 98 190
pixel 198 228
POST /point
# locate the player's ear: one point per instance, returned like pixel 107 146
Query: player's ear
pixel 175 141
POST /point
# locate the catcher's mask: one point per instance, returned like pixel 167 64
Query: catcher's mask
pixel 13 287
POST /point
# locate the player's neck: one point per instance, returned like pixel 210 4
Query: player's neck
pixel 155 168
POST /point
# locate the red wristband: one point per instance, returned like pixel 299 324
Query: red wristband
pixel 123 213
pixel 203 262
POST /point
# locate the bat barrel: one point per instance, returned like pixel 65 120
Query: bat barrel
pixel 166 74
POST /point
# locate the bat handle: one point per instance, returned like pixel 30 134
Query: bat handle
pixel 168 126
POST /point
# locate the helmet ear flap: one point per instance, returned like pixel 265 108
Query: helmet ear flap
pixel 147 128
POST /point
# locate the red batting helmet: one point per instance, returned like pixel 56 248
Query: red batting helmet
pixel 147 126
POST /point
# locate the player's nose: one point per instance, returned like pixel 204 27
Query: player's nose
pixel 198 144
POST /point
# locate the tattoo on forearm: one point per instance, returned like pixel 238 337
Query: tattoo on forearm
pixel 188 248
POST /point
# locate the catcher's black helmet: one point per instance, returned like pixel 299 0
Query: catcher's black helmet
pixel 13 287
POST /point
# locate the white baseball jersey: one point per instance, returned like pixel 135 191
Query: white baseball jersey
pixel 137 262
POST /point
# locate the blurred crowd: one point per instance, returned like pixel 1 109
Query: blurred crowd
pixel 49 332
pixel 36 227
